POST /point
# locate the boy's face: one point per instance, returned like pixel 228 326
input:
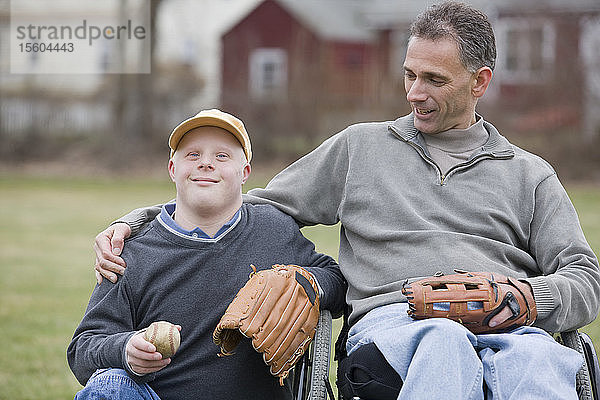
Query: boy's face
pixel 209 169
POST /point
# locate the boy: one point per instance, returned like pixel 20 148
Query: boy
pixel 185 267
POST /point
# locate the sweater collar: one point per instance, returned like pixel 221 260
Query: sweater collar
pixel 496 145
pixel 459 141
pixel 166 220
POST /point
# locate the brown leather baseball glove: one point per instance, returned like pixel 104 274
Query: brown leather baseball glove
pixel 278 309
pixel 472 299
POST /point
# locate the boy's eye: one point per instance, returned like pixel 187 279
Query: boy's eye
pixel 222 155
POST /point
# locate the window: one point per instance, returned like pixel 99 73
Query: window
pixel 525 49
pixel 268 74
pixel 398 45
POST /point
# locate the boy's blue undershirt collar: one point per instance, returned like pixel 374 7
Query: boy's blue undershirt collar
pixel 166 217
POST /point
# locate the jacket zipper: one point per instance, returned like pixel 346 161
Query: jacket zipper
pixel 441 175
pixel 429 160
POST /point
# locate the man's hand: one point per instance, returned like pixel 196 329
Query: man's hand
pixel 142 356
pixel 108 246
pixel 506 312
pixel 483 302
pixel 502 316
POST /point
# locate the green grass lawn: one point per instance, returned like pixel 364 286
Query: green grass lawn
pixel 46 260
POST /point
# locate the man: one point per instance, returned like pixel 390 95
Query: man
pixel 436 190
pixel 185 267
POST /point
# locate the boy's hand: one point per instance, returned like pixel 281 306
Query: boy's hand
pixel 278 309
pixel 142 356
pixel 108 246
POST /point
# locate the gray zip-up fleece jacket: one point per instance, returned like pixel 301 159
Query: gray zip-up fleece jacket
pixel 504 210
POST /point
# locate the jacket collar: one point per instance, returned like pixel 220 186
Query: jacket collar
pixel 496 146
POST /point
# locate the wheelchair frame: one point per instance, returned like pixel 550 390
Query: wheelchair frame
pixel 310 377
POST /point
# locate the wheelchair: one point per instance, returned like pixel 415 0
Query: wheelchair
pixel 310 377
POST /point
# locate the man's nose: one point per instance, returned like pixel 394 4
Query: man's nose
pixel 415 92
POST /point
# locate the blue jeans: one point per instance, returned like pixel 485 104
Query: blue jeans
pixel 115 384
pixel 440 359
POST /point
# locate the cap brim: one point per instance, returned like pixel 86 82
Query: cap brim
pixel 196 122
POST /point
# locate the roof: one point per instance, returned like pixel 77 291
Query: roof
pixel 390 13
pixel 331 19
pixel 358 20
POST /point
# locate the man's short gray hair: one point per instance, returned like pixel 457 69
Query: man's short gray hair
pixel 469 27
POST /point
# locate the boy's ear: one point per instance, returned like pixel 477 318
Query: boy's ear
pixel 246 173
pixel 171 169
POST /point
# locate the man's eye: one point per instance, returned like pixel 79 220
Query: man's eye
pixel 437 82
pixel 410 76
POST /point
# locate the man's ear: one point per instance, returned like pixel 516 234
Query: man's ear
pixel 481 81
pixel 172 169
pixel 246 173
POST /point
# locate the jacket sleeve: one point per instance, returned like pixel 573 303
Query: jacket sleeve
pixel 329 278
pixel 312 188
pixel 567 293
pixel 100 339
pixel 139 217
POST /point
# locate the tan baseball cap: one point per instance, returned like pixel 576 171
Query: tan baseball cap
pixel 212 117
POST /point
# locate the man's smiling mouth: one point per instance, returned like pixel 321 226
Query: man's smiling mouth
pixel 422 111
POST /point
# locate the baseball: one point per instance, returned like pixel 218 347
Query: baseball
pixel 164 336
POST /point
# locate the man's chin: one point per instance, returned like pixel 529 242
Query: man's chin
pixel 424 127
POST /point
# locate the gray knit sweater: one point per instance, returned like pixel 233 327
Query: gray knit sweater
pixel 190 282
pixel 503 210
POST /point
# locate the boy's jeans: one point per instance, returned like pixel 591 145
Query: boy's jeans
pixel 115 384
pixel 440 359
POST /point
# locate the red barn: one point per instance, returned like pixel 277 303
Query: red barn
pixel 290 67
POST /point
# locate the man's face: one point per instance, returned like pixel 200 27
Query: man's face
pixel 209 169
pixel 438 87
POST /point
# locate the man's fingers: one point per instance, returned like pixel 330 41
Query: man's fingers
pixel 120 233
pixel 102 242
pixel 109 243
pixel 502 316
pixel 105 255
pixel 102 272
pixel 116 265
pixel 108 246
pixel 98 277
pixel 107 264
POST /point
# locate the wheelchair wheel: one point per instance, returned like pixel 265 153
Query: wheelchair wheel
pixel 321 346
pixel 584 390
